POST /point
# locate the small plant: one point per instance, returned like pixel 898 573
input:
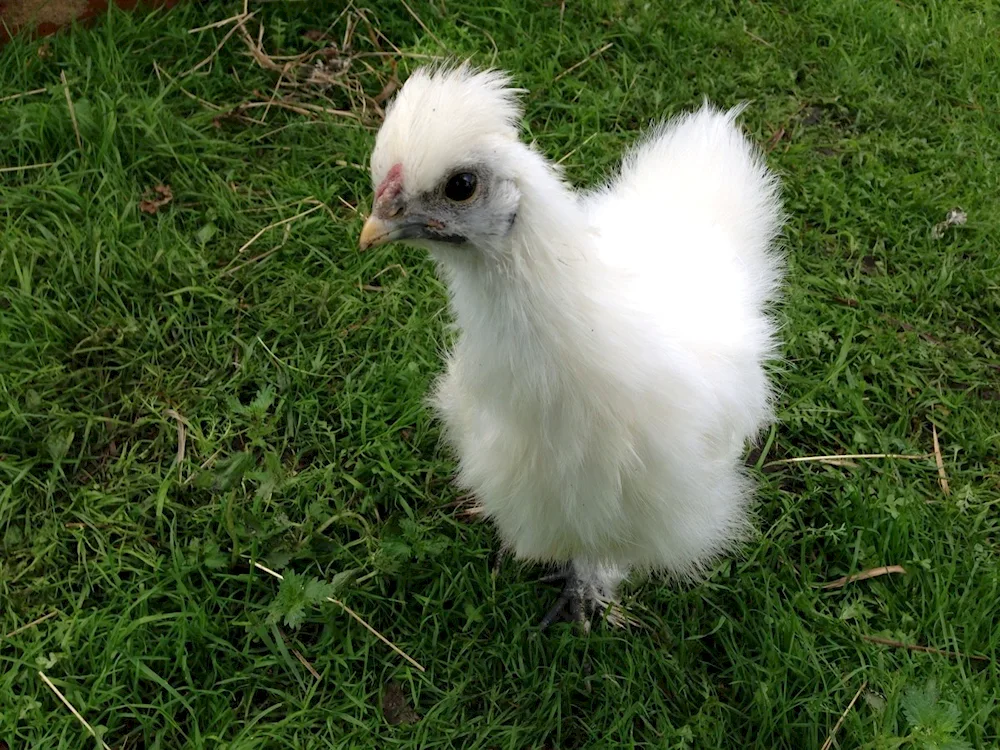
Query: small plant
pixel 297 592
pixel 934 724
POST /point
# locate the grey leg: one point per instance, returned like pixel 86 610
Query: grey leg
pixel 572 605
pixel 587 589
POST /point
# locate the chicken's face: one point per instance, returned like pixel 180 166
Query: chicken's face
pixel 442 163
pixel 470 204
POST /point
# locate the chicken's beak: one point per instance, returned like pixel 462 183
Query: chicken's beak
pixel 402 226
pixel 375 232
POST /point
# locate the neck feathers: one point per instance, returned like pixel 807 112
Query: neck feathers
pixel 531 304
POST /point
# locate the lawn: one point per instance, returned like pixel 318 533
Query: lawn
pixel 200 374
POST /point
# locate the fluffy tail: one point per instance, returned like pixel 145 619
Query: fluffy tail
pixel 701 169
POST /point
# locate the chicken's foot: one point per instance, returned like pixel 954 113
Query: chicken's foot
pixel 577 603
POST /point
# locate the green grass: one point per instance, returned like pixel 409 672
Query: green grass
pixel 299 378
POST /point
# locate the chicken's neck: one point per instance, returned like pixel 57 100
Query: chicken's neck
pixel 532 308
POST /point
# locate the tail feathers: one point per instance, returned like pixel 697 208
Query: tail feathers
pixel 701 168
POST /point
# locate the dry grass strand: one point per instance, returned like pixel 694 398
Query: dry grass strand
pixel 182 425
pixel 584 61
pixel 26 167
pixel 923 649
pixel 238 26
pixel 833 732
pixel 217 24
pixel 305 663
pixel 834 459
pixel 30 625
pixel 269 227
pixel 33 92
pixel 864 576
pixel 72 110
pixel 939 460
pixel 72 710
pixel 427 31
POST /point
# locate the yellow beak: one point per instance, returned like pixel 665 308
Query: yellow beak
pixel 375 232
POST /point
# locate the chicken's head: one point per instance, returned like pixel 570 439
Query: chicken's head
pixel 444 163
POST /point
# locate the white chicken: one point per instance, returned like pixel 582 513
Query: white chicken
pixel 610 366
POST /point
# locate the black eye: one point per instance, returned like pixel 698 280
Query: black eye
pixel 461 187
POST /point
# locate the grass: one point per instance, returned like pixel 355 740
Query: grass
pixel 293 375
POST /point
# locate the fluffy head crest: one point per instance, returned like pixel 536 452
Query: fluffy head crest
pixel 441 118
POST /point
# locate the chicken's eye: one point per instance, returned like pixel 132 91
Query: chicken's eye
pixel 461 187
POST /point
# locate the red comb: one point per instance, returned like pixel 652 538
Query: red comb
pixel 392 183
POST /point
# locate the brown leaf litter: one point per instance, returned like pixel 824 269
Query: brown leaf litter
pixel 155 198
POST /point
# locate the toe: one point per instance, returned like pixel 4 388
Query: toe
pixel 559 577
pixel 577 609
pixel 556 612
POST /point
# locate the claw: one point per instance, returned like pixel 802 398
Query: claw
pixel 573 603
pixel 557 610
pixel 579 612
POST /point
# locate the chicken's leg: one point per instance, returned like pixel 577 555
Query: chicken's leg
pixel 587 590
pixel 573 603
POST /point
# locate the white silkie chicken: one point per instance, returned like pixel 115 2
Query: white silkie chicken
pixel 611 362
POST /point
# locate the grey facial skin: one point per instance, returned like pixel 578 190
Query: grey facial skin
pixel 432 217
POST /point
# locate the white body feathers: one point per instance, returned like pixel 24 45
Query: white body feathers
pixel 610 365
